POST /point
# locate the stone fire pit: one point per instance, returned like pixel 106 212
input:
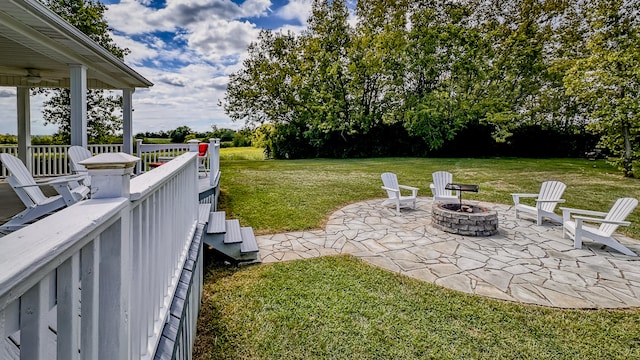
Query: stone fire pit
pixel 464 219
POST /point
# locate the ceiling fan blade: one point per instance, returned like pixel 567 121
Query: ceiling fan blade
pixel 6 70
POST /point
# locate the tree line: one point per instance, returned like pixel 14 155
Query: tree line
pixel 411 77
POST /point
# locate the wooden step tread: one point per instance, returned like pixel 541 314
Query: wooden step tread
pixel 232 235
pixel 217 223
pixel 203 213
pixel 249 244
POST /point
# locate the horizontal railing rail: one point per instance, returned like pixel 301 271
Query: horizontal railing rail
pixel 53 160
pixel 96 280
pixel 152 154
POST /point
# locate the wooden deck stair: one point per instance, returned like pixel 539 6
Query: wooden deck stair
pixel 231 240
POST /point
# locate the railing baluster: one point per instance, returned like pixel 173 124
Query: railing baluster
pixel 105 285
pixel 90 307
pixel 114 291
pixel 68 288
pixel 34 327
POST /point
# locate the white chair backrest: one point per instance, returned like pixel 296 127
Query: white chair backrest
pixel 22 177
pixel 390 180
pixel 551 190
pixel 440 180
pixel 619 211
pixel 77 154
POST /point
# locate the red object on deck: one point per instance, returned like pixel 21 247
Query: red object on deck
pixel 202 149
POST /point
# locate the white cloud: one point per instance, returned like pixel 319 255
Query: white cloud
pixel 222 40
pixel 255 8
pixel 190 68
pixel 295 10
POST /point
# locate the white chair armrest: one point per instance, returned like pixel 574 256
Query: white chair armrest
pixel 516 197
pixel 65 179
pixel 396 191
pixel 525 195
pixel 414 190
pixel 56 181
pixel 550 200
pixel 569 211
pixel 598 220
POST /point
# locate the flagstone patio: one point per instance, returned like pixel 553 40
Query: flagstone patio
pixel 524 262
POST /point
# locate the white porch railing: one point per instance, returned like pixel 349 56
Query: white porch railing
pixel 52 160
pixel 155 153
pixel 10 149
pixel 96 280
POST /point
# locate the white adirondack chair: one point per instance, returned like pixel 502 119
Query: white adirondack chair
pixel 77 154
pixel 391 186
pixel 70 190
pixel 574 225
pixel 546 200
pixel 440 180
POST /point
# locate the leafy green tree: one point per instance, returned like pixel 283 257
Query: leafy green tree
pixel 267 88
pixel 104 110
pixel 179 134
pixel 325 54
pixel 606 80
pixel 377 62
pixel 447 64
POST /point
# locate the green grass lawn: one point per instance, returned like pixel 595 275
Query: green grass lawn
pixel 286 195
pixel 343 308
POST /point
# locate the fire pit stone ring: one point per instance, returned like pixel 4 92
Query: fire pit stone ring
pixel 464 219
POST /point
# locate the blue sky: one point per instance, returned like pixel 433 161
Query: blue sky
pixel 188 49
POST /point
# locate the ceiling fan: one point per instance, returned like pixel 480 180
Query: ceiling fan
pixel 30 75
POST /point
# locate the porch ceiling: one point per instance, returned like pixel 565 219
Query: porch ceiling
pixel 37 43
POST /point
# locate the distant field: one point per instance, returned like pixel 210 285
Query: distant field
pixel 241 153
pixel 156 141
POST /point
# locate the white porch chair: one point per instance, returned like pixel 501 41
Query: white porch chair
pixel 77 154
pixel 546 200
pixel 440 180
pixel 574 225
pixel 70 190
pixel 391 186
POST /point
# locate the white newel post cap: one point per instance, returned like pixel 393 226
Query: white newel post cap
pixel 110 174
pixel 193 145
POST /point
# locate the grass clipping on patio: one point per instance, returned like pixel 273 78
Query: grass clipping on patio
pixel 343 308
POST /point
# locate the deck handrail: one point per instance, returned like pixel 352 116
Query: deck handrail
pixel 101 273
pixel 52 160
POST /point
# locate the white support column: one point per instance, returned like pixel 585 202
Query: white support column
pixel 24 126
pixel 78 84
pixel 127 120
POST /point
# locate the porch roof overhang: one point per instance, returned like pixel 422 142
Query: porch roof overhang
pixel 38 46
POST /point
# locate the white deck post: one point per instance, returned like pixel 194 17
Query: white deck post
pixel 214 160
pixel 193 145
pixel 110 178
pixel 139 166
pixel 111 173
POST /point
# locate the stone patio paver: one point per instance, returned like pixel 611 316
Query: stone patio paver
pixel 523 263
